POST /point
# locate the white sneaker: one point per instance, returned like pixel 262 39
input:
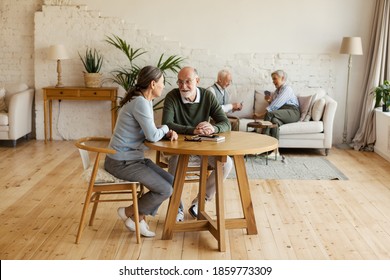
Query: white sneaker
pixel 122 214
pixel 144 229
pixel 130 224
pixel 273 155
pixel 193 210
pixel 180 215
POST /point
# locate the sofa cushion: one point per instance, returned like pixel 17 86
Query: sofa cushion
pixel 3 106
pixel 247 100
pixel 304 105
pixel 4 119
pixel 318 109
pixel 302 127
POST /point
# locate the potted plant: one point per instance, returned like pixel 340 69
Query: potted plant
pixel 382 96
pixel 126 76
pixel 92 62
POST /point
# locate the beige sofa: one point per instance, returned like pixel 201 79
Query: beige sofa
pixel 317 133
pixel 15 111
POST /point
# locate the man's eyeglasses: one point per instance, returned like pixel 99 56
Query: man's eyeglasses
pixel 187 82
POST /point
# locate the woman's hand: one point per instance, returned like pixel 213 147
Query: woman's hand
pixel 172 135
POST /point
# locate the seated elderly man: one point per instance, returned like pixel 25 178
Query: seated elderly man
pixel 219 88
pixel 283 104
pixel 187 110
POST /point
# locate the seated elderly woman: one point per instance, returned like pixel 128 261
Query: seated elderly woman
pixel 283 104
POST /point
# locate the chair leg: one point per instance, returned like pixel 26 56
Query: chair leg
pixel 82 219
pixel 95 205
pixel 136 213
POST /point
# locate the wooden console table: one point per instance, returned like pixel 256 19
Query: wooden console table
pixel 78 93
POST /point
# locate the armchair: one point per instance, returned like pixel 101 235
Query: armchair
pixel 16 120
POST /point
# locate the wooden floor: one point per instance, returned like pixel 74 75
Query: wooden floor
pixel 42 195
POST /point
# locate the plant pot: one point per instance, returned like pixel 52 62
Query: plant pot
pixel 92 80
pixel 385 108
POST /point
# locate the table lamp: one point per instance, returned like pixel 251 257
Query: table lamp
pixel 58 52
pixel 351 46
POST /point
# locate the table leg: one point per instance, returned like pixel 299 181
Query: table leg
pixel 246 201
pixel 45 118
pixel 174 201
pixel 202 187
pixel 220 206
pixel 50 118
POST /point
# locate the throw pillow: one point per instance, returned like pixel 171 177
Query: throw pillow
pixel 3 106
pixel 260 105
pixel 318 109
pixel 304 105
pixel 308 116
pixel 242 95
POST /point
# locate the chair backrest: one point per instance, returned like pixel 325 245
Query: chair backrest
pixel 85 158
pixel 96 169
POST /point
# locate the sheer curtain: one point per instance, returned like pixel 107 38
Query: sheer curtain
pixel 378 70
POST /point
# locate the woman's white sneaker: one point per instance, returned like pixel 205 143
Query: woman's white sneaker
pixel 130 224
pixel 122 214
pixel 144 229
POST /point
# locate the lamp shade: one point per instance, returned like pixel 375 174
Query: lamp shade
pixel 57 52
pixel 351 45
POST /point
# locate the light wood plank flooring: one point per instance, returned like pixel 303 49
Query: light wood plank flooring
pixel 42 195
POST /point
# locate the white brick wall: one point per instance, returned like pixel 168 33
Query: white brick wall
pixel 23 59
pixel 16 44
pixel 78 28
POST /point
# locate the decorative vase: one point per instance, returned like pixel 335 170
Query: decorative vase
pixel 92 80
pixel 385 108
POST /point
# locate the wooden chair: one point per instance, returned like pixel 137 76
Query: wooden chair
pixel 193 171
pixel 101 183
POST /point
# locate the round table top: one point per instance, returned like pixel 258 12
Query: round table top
pixel 236 143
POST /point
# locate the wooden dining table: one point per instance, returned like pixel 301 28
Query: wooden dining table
pixel 237 145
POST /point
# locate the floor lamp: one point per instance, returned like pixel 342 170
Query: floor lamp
pixel 58 52
pixel 350 46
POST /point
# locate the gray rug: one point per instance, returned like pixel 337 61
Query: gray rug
pixel 291 167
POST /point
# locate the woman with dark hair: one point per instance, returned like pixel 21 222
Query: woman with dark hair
pixel 135 124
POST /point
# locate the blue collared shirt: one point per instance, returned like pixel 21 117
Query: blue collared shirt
pixel 283 96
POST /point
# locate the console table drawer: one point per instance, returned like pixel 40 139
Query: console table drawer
pixel 61 92
pixel 95 93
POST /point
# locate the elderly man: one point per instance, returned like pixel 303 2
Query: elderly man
pixel 283 104
pixel 187 110
pixel 219 88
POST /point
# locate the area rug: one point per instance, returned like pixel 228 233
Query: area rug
pixel 291 167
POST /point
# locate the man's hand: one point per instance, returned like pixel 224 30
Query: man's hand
pixel 205 128
pixel 237 106
pixel 268 98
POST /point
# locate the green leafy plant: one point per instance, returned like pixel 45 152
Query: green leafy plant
pixel 382 95
pixel 126 76
pixel 92 60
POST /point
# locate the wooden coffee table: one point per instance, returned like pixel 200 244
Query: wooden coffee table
pixel 258 125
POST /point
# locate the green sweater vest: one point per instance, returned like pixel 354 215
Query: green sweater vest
pixel 184 117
